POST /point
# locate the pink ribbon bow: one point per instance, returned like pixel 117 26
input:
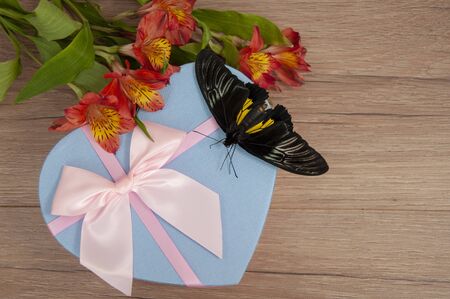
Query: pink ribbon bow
pixel 106 235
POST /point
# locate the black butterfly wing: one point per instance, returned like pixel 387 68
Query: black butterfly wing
pixel 279 145
pixel 224 92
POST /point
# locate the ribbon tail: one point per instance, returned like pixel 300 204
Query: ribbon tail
pixel 186 204
pixel 106 244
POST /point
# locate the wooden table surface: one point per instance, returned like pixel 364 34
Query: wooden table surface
pixel 377 105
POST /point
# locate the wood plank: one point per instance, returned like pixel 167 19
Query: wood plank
pixel 35 283
pixel 383 245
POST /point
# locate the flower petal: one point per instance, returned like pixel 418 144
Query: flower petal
pixel 257 42
pixel 292 36
pixel 267 81
pixel 62 125
pixel 289 76
pixel 173 16
pixel 157 52
pixel 76 114
pixel 142 94
pixel 152 25
pixel 105 127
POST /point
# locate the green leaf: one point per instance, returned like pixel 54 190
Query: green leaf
pixel 58 3
pixel 230 52
pixel 63 68
pixel 91 79
pixel 142 126
pixel 92 12
pixel 51 22
pixel 215 46
pixel 193 48
pixel 206 37
pixel 11 13
pixel 47 48
pixel 14 5
pixel 180 57
pixel 240 24
pixel 9 70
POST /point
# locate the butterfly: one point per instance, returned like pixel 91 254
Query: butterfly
pixel 249 120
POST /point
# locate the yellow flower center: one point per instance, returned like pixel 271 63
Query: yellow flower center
pixel 173 9
pixel 158 53
pixel 104 122
pixel 258 63
pixel 288 59
pixel 141 94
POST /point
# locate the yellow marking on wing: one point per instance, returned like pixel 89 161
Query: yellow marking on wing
pixel 244 111
pixel 260 126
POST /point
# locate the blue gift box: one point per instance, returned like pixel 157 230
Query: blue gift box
pixel 244 200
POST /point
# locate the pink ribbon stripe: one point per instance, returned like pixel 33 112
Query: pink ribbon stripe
pixel 106 235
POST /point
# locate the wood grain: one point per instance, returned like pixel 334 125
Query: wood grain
pixel 377 105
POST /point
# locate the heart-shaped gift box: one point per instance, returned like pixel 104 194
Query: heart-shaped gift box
pixel 244 200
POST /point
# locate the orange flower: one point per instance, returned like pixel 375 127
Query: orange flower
pixel 104 116
pixel 173 17
pixel 264 66
pixel 151 48
pixel 291 59
pixel 256 64
pixel 140 87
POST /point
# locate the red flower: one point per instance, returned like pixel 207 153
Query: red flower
pixel 104 116
pixel 263 66
pixel 256 64
pixel 173 17
pixel 151 48
pixel 291 59
pixel 140 87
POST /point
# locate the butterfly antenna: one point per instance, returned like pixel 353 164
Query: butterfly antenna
pixel 228 154
pixel 215 139
pixel 218 141
pixel 231 161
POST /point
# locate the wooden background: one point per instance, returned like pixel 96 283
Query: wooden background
pixel 377 105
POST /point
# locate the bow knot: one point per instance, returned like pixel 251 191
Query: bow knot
pixel 106 234
pixel 125 184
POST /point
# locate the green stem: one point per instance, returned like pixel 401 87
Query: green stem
pixel 109 58
pixel 123 15
pixel 78 91
pixel 34 58
pixel 11 14
pixel 102 29
pixel 110 50
pixel 75 10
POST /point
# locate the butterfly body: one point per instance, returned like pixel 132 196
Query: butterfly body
pixel 249 120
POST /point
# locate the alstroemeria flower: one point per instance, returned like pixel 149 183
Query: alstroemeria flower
pixel 174 17
pixel 264 66
pixel 151 48
pixel 104 116
pixel 140 86
pixel 257 64
pixel 291 59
